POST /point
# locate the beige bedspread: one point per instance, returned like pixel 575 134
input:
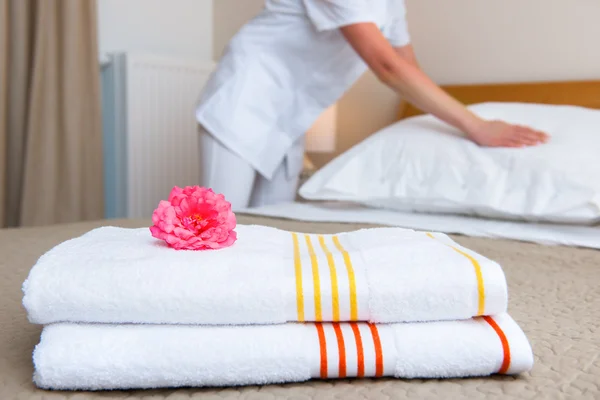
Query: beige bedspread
pixel 554 295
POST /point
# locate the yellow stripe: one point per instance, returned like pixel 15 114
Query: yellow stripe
pixel 316 279
pixel 478 275
pixel 351 279
pixel 298 270
pixel 335 297
pixel 480 285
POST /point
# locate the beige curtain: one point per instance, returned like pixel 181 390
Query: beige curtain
pixel 50 118
pixel 3 106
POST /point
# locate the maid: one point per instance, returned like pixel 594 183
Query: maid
pixel 289 64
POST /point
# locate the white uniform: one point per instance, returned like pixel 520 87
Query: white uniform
pixel 276 77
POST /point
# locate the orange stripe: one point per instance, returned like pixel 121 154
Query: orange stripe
pixel 323 350
pixel 359 350
pixel 341 350
pixel 378 352
pixel 505 347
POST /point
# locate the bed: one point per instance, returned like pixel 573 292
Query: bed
pixel 570 93
pixel 554 295
pixel 576 93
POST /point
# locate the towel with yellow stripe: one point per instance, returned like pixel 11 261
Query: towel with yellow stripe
pixel 270 276
pixel 95 357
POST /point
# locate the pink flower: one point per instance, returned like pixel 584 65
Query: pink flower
pixel 194 218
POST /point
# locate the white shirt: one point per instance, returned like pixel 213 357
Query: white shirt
pixel 284 68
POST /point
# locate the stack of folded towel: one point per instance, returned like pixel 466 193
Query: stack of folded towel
pixel 123 311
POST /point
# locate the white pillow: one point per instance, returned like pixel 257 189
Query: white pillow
pixel 421 164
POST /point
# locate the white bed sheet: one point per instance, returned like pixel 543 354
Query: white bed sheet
pixel 542 233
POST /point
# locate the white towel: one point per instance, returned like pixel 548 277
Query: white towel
pixel 97 357
pixel 384 275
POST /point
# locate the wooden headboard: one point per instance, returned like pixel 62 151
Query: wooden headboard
pixel 577 93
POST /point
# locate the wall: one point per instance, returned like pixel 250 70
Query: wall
pixel 467 41
pixel 229 16
pixel 179 28
pixel 463 41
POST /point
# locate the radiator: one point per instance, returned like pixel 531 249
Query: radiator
pixel 150 131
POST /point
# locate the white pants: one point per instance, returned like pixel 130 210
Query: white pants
pixel 227 173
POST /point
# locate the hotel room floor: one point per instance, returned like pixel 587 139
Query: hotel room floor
pixel 554 294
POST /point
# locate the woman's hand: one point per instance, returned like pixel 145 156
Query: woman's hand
pixel 502 134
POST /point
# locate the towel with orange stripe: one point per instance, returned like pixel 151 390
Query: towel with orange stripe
pixel 270 276
pixel 102 356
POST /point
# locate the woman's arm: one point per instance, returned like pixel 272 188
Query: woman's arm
pixel 407 53
pixel 399 70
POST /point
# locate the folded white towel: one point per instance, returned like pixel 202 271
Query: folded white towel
pixel 116 275
pixel 96 357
